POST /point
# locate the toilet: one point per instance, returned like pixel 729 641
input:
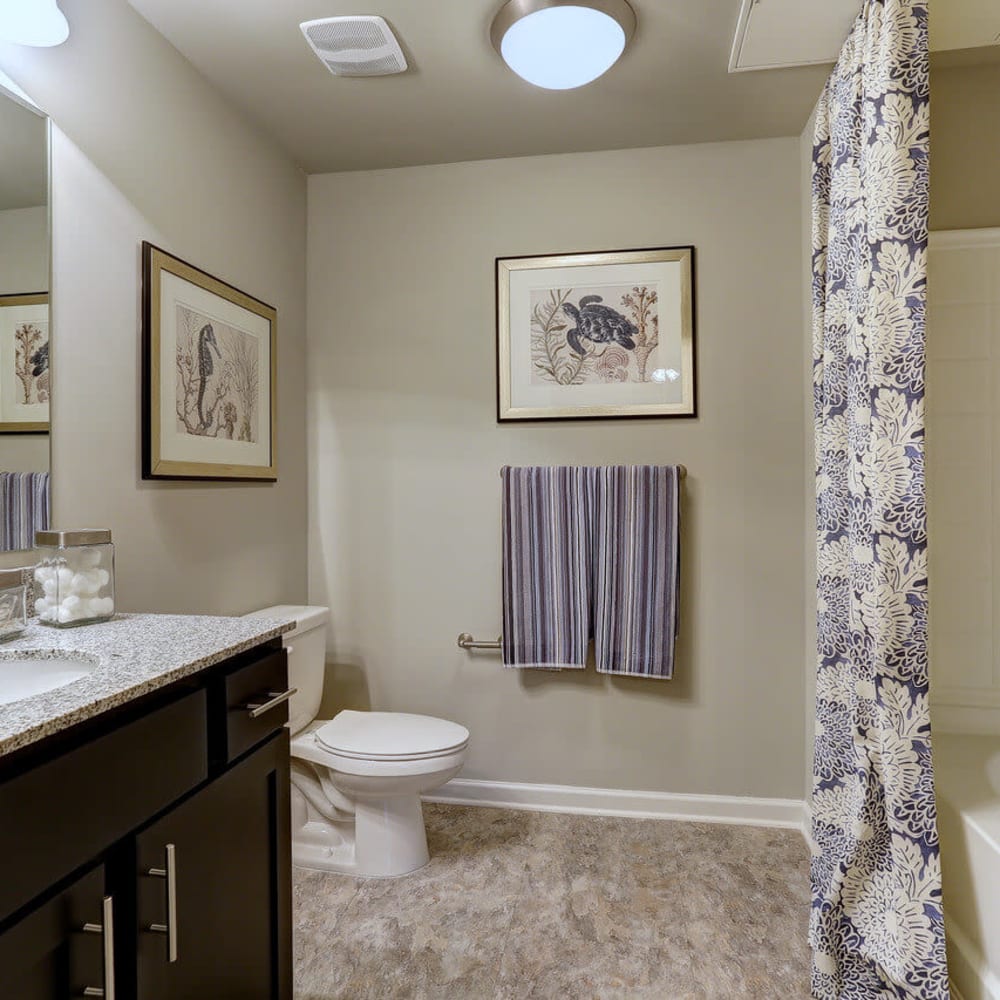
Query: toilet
pixel 357 778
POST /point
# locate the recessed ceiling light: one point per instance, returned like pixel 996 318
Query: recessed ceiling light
pixel 33 22
pixel 562 44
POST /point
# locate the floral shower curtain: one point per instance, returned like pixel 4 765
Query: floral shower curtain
pixel 876 925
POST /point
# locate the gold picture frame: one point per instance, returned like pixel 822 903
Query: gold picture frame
pixel 25 388
pixel 209 376
pixel 585 336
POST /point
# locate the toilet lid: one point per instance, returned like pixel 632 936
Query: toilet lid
pixel 390 735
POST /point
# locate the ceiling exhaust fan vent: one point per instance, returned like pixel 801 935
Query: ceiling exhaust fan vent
pixel 355 46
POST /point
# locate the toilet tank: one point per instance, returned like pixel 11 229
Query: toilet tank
pixel 306 647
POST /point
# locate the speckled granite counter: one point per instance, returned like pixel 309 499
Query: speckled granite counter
pixel 135 655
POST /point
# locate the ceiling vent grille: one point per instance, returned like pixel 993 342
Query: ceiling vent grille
pixel 355 46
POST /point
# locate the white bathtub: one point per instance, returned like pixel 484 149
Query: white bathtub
pixel 967 782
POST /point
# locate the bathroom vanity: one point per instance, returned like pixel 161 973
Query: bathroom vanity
pixel 144 816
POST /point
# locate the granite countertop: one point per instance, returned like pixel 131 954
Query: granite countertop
pixel 134 655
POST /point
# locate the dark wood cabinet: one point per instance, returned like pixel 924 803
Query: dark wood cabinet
pixel 212 881
pixel 58 950
pixel 165 873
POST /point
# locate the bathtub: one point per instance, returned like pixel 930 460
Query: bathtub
pixel 967 781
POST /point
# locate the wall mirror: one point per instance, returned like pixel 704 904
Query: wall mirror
pixel 25 376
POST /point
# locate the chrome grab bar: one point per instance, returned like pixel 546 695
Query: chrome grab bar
pixel 465 641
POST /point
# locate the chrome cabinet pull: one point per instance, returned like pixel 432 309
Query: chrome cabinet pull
pixel 107 932
pixel 170 927
pixel 275 700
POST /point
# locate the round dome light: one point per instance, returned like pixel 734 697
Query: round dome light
pixel 562 44
pixel 33 22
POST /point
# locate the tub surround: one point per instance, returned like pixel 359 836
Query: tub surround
pixel 968 789
pixel 138 654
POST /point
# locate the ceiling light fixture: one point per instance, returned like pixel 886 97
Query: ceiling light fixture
pixel 33 22
pixel 562 44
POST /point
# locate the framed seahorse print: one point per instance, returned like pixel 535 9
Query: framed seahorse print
pixel 209 375
pixel 596 335
pixel 24 364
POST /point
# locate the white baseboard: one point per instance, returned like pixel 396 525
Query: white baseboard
pixel 785 813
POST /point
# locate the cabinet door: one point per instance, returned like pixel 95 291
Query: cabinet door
pixel 214 903
pixel 64 947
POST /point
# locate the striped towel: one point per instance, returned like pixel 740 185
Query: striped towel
pixel 636 527
pixel 591 552
pixel 24 508
pixel 546 567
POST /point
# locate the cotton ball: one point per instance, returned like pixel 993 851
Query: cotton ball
pixel 70 603
pixel 80 584
pixel 49 588
pixel 44 574
pixel 41 607
pixel 63 615
pixel 90 558
pixel 65 577
pixel 107 605
pixel 103 576
pixel 49 615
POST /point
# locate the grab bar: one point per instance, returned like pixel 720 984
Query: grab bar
pixel 465 641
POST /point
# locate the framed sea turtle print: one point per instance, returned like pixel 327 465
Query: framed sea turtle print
pixel 596 335
pixel 209 375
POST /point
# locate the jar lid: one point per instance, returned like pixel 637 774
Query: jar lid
pixel 11 578
pixel 81 536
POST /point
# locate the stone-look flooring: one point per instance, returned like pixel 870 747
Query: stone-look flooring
pixel 517 905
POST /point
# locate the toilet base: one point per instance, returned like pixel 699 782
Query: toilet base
pixel 361 817
pixel 385 839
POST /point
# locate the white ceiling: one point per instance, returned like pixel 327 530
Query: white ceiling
pixel 24 172
pixel 459 102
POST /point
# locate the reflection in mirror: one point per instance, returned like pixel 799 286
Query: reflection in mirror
pixel 24 325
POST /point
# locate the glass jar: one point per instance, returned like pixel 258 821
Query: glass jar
pixel 13 603
pixel 75 577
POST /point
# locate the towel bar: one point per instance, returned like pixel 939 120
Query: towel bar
pixel 465 641
pixel 682 469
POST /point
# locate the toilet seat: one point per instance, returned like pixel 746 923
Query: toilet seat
pixel 392 737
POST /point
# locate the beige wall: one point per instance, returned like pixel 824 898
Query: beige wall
pixel 24 267
pixel 24 249
pixel 965 147
pixel 404 454
pixel 144 148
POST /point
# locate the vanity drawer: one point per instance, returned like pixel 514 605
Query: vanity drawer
pixel 256 702
pixel 65 812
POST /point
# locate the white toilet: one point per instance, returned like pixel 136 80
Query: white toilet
pixel 357 779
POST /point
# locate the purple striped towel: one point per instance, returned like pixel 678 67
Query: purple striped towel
pixel 591 552
pixel 546 567
pixel 24 508
pixel 636 529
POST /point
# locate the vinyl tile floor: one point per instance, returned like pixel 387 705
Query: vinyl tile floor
pixel 518 905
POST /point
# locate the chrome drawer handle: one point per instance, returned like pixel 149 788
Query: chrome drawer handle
pixel 275 700
pixel 107 931
pixel 170 927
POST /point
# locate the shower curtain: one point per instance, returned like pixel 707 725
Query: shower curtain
pixel 876 923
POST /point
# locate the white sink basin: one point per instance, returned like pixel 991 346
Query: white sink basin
pixel 22 676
